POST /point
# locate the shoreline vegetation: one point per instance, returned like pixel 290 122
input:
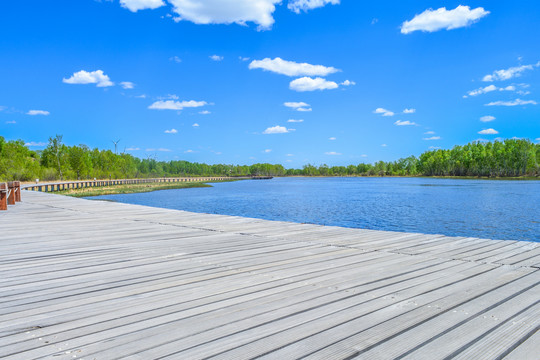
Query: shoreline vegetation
pixel 508 159
pixel 130 189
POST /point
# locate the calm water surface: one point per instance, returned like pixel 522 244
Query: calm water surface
pixel 475 208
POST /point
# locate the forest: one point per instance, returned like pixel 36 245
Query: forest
pixel 498 159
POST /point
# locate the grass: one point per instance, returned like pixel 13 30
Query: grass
pixel 130 189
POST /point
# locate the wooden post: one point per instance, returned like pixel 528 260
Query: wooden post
pixel 17 191
pixel 11 196
pixel 3 196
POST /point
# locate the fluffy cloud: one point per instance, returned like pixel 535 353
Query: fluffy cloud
pixel 175 105
pixel 38 112
pixel 159 149
pixel 267 151
pixel 127 85
pixel 276 130
pixel 291 68
pixel 488 132
pixel 490 88
pixel 512 103
pixel 483 90
pixel 195 125
pixel 487 118
pixel 404 123
pixel 409 111
pixel 133 149
pixel 11 122
pixel 311 84
pixel 384 145
pixel 305 5
pixel 383 111
pixel 435 20
pixel 204 112
pixel 433 138
pixel 226 11
pixel 295 121
pixel 216 57
pixel 33 143
pixel 172 131
pixel 429 133
pixel 298 106
pixel 348 83
pixel 136 5
pixel 507 74
pixel 332 153
pixel 176 59
pixel 94 77
pixel 332 138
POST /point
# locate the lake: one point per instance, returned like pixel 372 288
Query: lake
pixel 494 209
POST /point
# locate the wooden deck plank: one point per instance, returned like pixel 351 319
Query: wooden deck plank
pixel 91 279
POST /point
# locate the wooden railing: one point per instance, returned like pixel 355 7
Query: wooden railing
pixel 66 185
pixel 10 193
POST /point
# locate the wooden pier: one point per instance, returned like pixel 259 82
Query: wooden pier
pixel 84 279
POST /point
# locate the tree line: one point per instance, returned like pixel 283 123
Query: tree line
pixel 508 158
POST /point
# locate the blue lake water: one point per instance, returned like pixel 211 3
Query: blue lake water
pixel 497 209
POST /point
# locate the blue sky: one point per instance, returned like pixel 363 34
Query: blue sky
pixel 209 80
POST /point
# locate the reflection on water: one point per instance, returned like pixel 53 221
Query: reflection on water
pixel 473 208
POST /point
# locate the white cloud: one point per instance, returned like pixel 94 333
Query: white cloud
pixel 435 20
pixel 189 151
pixel 348 83
pixel 293 154
pixel 11 122
pixel 487 118
pixel 291 68
pixel 384 145
pixel 176 59
pixel 491 88
pixel 429 133
pixel 33 143
pixel 512 103
pixel 409 111
pixel 404 123
pixel 94 77
pixel 37 112
pixel 332 153
pixel 195 125
pixel 172 131
pixel 127 85
pixel 142 96
pixel 488 132
pixel 159 149
pixel 276 130
pixel 510 73
pixel 483 90
pixel 216 57
pixel 305 5
pixel 204 112
pixel 267 151
pixel 226 11
pixel 537 139
pixel 298 106
pixel 383 111
pixel 363 155
pixel 434 147
pixel 433 138
pixel 332 138
pixel 242 58
pixel 136 5
pixel 176 105
pixel 295 121
pixel 133 149
pixel 312 84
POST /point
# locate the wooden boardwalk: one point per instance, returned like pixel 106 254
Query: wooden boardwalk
pixel 100 280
